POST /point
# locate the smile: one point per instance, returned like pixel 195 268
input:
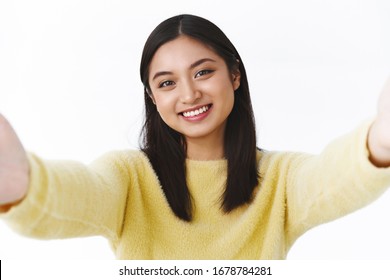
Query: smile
pixel 196 112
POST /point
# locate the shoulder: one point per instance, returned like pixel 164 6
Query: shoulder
pixel 280 161
pixel 344 151
pixel 266 157
pixel 122 156
pixel 123 159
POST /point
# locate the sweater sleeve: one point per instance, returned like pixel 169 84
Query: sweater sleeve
pixel 69 199
pixel 338 181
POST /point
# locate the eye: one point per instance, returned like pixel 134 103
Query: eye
pixel 203 72
pixel 166 84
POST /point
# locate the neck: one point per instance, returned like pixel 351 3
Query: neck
pixel 205 149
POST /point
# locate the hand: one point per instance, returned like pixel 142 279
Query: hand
pixel 379 135
pixel 14 167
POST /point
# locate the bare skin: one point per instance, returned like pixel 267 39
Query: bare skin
pixel 186 75
pixel 14 166
pixel 379 135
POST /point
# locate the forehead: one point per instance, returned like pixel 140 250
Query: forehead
pixel 181 52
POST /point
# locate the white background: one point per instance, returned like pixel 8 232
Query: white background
pixel 69 84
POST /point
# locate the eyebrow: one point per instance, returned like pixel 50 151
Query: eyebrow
pixel 192 66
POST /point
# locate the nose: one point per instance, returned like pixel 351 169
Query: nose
pixel 189 93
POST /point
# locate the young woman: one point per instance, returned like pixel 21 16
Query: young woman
pixel 199 188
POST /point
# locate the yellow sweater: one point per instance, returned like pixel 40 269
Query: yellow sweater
pixel 118 196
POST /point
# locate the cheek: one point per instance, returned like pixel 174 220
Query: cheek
pixel 219 89
pixel 165 106
pixel 230 101
pixel 228 97
pixel 227 91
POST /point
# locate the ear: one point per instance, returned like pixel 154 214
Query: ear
pixel 236 75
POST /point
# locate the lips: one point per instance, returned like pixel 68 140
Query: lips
pixel 196 111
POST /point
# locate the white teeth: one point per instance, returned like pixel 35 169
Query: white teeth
pixel 196 112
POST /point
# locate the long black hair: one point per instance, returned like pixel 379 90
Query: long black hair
pixel 166 148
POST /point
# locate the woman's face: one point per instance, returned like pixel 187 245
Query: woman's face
pixel 192 88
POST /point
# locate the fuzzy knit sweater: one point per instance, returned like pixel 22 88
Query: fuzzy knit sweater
pixel 118 196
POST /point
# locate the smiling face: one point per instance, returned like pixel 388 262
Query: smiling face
pixel 192 88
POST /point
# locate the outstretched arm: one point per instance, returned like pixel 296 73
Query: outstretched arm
pixel 14 167
pixel 59 199
pixel 379 134
pixel 342 178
